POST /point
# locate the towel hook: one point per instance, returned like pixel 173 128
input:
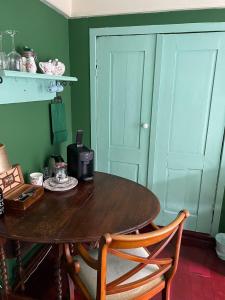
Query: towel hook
pixel 57 99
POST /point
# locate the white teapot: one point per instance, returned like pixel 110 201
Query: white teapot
pixel 52 67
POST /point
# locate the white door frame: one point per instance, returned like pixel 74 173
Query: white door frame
pixel 94 33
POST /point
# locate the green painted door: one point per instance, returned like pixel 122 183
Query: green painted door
pixel 189 111
pixel 125 68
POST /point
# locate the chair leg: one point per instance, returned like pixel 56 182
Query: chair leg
pixel 58 275
pixel 166 292
pixel 71 287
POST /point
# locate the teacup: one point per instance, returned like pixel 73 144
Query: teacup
pixel 60 88
pixel 55 88
pixel 46 67
pixel 36 178
pixel 52 67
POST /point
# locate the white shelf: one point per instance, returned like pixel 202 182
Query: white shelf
pixel 17 87
pixel 16 74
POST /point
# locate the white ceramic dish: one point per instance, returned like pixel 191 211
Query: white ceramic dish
pixel 51 185
pixel 54 183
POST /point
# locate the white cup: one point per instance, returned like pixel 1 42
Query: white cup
pixel 36 178
pixel 53 89
pixel 60 88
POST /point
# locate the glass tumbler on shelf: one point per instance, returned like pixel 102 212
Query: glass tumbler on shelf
pixel 14 58
pixel 3 56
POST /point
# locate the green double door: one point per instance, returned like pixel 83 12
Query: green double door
pixel 160 108
pixel 123 105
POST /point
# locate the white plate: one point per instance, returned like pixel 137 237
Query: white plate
pixel 51 185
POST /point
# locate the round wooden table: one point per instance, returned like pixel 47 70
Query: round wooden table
pixel 108 204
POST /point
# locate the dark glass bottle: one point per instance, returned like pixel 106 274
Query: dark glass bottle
pixel 2 210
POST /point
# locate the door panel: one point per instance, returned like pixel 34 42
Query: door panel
pixel 124 93
pixel 190 122
pixel 127 75
pixel 129 171
pixel 193 81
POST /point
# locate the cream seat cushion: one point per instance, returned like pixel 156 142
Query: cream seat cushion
pixel 115 268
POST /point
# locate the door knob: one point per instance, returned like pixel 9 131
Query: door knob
pixel 145 125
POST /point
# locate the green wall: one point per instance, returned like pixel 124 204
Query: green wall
pixel 25 127
pixel 79 54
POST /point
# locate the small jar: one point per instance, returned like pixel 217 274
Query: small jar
pixel 28 52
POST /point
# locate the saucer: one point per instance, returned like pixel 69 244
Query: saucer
pixel 65 180
pixel 54 183
pixel 51 185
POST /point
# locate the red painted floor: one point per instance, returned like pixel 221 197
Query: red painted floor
pixel 200 276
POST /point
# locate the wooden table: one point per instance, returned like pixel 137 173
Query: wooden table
pixel 109 204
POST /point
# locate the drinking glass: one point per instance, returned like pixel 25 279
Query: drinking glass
pixel 61 172
pixel 46 173
pixel 14 58
pixel 3 56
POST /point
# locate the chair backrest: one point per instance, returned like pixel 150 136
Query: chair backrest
pixel 158 240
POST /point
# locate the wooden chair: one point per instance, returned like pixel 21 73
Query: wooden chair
pixel 123 269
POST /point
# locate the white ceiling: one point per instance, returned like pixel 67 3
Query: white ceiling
pixel 87 8
pixel 62 6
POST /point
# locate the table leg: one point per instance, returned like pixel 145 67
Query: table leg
pixel 19 265
pixel 4 271
pixel 58 275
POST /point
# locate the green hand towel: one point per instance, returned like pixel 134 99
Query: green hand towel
pixel 58 118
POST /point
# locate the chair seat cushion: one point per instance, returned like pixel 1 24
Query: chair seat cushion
pixel 117 267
